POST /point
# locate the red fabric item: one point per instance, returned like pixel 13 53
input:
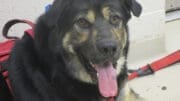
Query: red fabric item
pixel 30 32
pixel 5 49
pixel 166 61
pixel 159 64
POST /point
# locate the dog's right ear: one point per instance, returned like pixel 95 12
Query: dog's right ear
pixel 134 6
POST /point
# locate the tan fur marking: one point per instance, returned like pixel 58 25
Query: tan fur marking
pixel 120 64
pixel 91 16
pixel 83 37
pixel 94 33
pixel 117 32
pixel 125 38
pixel 106 12
pixel 66 39
pixel 66 43
pixel 120 34
pixel 80 72
pixel 70 48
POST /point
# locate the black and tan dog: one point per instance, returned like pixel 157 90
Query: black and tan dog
pixel 78 54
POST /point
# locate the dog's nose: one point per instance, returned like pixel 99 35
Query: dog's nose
pixel 107 47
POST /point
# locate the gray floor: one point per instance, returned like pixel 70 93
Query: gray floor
pixel 161 86
pixel 164 85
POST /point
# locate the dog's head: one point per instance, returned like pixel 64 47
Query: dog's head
pixel 91 36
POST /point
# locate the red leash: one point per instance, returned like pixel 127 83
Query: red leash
pixel 156 65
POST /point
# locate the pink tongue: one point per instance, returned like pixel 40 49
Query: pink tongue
pixel 107 80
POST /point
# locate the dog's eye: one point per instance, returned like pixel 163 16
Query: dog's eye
pixel 83 23
pixel 115 20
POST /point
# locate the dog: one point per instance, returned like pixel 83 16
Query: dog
pixel 79 53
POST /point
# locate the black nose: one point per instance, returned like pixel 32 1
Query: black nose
pixel 107 47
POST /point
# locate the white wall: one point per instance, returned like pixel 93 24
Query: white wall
pixel 151 21
pixel 23 9
pixel 147 32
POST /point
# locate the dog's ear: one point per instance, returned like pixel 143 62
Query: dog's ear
pixel 134 6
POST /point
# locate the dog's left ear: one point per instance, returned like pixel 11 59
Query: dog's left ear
pixel 134 6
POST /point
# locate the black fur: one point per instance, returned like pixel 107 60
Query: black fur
pixel 37 68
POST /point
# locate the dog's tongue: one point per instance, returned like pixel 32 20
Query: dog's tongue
pixel 107 80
